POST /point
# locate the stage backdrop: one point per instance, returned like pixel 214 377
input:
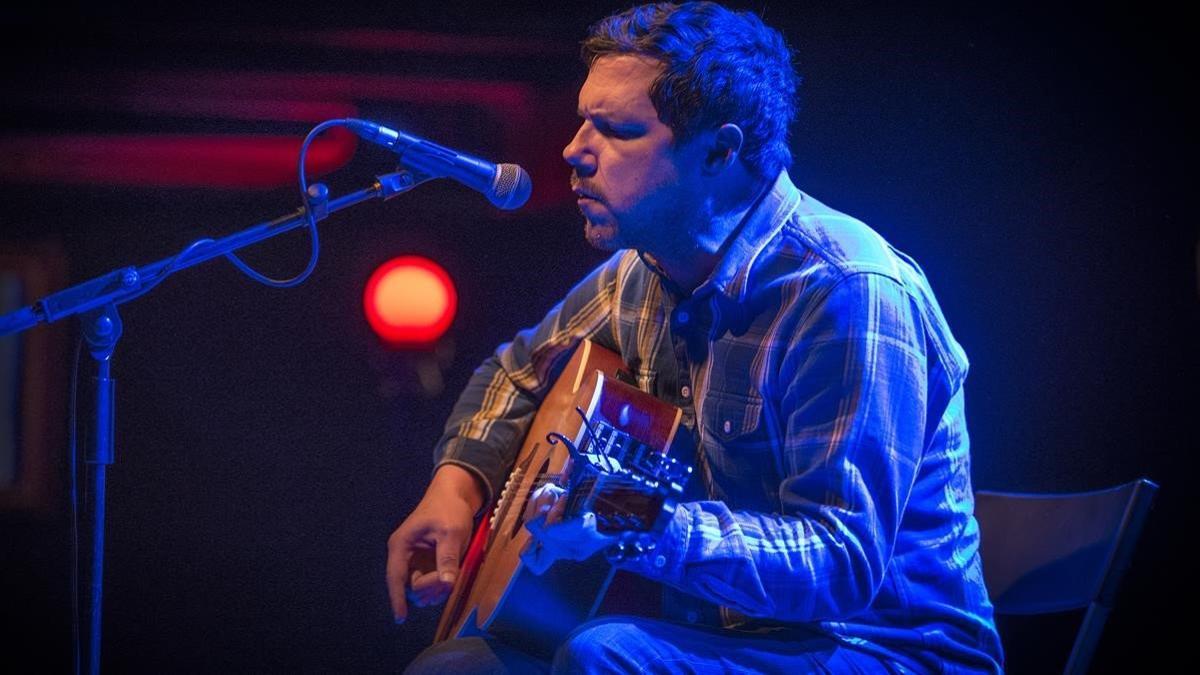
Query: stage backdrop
pixel 1031 159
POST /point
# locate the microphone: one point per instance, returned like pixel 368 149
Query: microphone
pixel 505 185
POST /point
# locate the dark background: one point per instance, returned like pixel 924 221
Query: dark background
pixel 1032 158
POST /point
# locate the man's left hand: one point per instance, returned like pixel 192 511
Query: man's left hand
pixel 556 539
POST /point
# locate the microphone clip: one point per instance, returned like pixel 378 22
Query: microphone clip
pixel 398 182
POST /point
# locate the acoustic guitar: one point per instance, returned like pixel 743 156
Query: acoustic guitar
pixel 606 443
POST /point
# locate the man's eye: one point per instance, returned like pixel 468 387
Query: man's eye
pixel 611 131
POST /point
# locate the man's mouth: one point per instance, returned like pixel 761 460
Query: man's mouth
pixel 581 193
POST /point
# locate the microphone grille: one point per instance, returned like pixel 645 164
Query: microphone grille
pixel 511 187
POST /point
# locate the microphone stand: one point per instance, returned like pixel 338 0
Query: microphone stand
pixel 95 302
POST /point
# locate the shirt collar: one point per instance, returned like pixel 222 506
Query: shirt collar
pixel 764 220
pixel 724 292
pixel 757 229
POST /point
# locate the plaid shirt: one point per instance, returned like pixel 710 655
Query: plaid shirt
pixel 823 389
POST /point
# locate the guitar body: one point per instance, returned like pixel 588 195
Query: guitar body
pixel 494 593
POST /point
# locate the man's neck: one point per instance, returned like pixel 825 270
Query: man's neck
pixel 688 271
pixel 693 261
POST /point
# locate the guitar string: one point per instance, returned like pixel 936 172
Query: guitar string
pixel 598 499
pixel 545 479
pixel 607 502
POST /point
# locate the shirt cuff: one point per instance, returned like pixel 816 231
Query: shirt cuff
pixel 478 458
pixel 666 562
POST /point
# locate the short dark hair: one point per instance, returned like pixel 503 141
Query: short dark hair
pixel 719 66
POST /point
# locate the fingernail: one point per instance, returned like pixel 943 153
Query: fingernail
pixel 447 577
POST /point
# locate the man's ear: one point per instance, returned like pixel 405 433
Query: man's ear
pixel 724 148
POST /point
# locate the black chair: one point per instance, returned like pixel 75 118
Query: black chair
pixel 1047 553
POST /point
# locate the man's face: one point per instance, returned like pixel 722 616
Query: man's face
pixel 631 183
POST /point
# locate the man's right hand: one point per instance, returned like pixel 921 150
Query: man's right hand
pixel 440 525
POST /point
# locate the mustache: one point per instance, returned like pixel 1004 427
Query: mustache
pixel 580 187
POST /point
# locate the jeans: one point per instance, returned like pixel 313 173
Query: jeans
pixel 638 645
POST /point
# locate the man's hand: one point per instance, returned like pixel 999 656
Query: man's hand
pixel 557 539
pixel 425 550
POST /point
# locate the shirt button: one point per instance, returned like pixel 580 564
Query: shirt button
pixel 682 316
pixel 728 426
pixel 686 391
pixel 660 560
pixel 693 616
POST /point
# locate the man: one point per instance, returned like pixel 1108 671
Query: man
pixel 820 386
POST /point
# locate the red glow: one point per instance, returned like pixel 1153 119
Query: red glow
pixel 407 41
pixel 170 161
pixel 410 300
pixel 510 96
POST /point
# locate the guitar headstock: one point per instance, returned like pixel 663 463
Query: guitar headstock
pixel 630 486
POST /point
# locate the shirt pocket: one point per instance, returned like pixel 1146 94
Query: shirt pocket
pixel 737 452
pixel 729 418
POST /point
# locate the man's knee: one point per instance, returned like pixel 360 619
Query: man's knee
pixel 473 655
pixel 610 645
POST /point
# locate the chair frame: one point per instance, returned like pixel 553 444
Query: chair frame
pixel 1110 522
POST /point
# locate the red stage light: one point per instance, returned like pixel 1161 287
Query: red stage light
pixel 410 300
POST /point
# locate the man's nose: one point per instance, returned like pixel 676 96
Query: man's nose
pixel 577 155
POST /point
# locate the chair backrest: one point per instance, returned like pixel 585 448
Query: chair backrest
pixel 1054 552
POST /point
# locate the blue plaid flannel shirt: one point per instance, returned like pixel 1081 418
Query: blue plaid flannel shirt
pixel 824 390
